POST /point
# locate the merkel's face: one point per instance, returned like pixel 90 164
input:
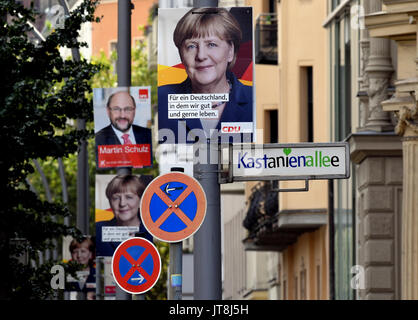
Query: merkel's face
pixel 121 111
pixel 125 206
pixel 206 60
pixel 82 254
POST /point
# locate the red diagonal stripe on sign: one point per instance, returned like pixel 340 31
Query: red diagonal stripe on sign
pixel 164 197
pixel 164 216
pixel 184 195
pixel 135 264
pixel 183 217
pixel 177 210
pixel 144 273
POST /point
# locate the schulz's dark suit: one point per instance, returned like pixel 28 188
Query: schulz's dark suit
pixel 107 136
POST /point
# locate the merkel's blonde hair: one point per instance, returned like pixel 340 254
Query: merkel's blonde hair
pixel 202 22
pixel 124 183
pixel 77 244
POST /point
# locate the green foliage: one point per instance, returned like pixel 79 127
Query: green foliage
pixel 142 75
pixel 40 92
pixel 50 168
pixel 104 77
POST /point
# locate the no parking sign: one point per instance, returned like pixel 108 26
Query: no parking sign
pixel 173 207
pixel 136 265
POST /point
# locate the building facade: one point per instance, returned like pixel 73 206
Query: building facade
pixel 362 72
pixel 345 71
pixel 395 22
pixel 105 33
pixel 286 241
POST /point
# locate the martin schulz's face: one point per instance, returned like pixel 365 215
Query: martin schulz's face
pixel 121 111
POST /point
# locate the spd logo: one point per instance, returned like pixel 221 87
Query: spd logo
pixel 143 93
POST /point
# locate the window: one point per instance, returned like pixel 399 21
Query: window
pixel 341 105
pixel 306 105
pixel 113 46
pixel 303 284
pixel 295 286
pixel 266 46
pixel 272 6
pixel 113 49
pixel 342 79
pixel 318 282
pixel 284 290
pixel 335 3
pixel 271 126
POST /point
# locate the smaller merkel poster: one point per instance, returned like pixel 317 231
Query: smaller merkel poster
pixel 122 121
pixel 118 198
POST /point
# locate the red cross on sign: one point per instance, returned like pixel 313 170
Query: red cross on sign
pixel 136 265
pixel 173 207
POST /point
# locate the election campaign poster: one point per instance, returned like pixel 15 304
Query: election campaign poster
pixel 117 215
pixel 205 75
pixel 122 122
pixel 82 253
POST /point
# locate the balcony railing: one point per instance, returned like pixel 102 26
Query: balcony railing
pixel 263 204
pixel 271 229
pixel 266 39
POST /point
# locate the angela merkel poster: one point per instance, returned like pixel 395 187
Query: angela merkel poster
pixel 205 75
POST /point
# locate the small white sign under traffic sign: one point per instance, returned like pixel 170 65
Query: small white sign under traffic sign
pixel 301 161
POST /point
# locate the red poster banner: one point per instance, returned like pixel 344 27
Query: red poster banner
pixel 110 289
pixel 129 155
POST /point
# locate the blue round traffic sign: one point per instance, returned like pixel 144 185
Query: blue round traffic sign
pixel 136 265
pixel 173 207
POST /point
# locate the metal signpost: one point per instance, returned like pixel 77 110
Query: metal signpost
pixel 124 77
pixel 173 207
pixel 207 257
pixel 181 123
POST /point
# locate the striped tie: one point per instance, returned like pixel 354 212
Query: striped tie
pixel 126 139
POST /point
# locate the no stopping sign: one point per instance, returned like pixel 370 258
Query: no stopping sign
pixel 136 265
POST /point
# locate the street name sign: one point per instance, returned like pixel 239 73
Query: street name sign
pixel 173 207
pixel 136 265
pixel 301 161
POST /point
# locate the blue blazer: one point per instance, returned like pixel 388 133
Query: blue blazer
pixel 107 136
pixel 239 108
